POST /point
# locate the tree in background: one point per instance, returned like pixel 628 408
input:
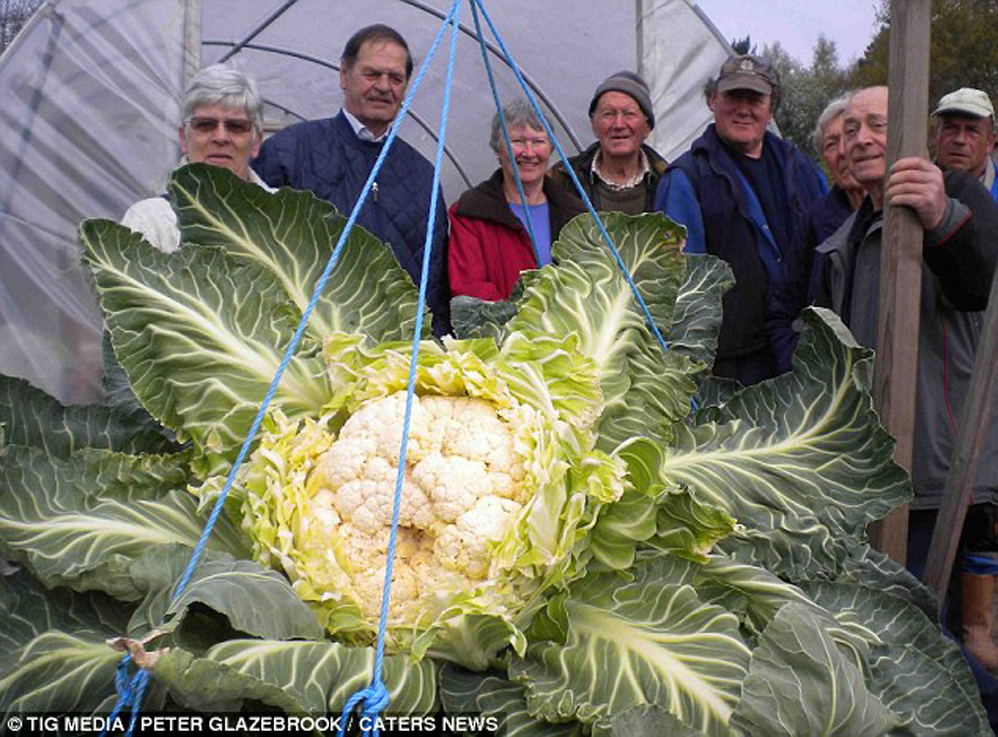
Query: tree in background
pixel 806 89
pixel 743 45
pixel 963 51
pixel 13 15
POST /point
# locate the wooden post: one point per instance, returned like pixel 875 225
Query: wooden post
pixel 975 420
pixel 901 255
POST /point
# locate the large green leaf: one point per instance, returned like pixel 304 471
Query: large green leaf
pixel 644 389
pixel 299 677
pixel 649 640
pixel 28 609
pixel 620 527
pixel 255 600
pixel 29 416
pixel 53 652
pixel 696 320
pixel 758 596
pixel 801 460
pixel 873 569
pixel 916 672
pixel 646 720
pixel 800 683
pixel 61 672
pixel 926 694
pixel 550 374
pixel 763 593
pixel 491 694
pixel 201 336
pixel 84 521
pixel 292 235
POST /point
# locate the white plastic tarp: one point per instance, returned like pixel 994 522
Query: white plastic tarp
pixel 91 94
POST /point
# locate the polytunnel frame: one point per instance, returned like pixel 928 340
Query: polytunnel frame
pixel 193 54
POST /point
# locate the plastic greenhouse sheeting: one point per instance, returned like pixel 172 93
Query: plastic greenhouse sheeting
pixel 91 92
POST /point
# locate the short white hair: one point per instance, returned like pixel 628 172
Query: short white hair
pixel 832 110
pixel 219 84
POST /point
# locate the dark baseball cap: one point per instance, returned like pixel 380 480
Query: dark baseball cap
pixel 748 72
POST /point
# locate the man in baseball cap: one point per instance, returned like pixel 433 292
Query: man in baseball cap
pixel 742 192
pixel 619 171
pixel 963 135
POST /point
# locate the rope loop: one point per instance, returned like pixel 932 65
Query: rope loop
pixel 375 698
pixel 130 688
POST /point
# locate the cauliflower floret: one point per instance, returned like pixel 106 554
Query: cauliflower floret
pixel 381 421
pixel 463 473
pixel 464 546
pixel 364 557
pixel 436 476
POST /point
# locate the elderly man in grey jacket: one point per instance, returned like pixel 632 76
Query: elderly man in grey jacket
pixel 961 230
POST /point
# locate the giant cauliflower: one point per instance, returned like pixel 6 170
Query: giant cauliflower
pixel 497 487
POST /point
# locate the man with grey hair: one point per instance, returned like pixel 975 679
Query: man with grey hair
pixel 490 243
pixel 821 220
pixel 959 219
pixel 827 140
pixel 963 136
pixel 222 125
pixel 619 171
pixel 333 158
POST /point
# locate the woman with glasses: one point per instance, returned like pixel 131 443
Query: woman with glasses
pixel 489 237
pixel 223 126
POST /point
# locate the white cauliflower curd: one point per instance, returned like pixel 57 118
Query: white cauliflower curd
pixel 463 486
pixel 501 482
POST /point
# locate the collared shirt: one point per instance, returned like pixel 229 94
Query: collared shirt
pixel 363 132
pixel 634 181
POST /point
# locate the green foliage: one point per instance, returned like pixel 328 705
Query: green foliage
pixel 806 90
pixel 687 572
pixel 963 52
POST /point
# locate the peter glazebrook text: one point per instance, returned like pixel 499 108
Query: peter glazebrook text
pixel 260 723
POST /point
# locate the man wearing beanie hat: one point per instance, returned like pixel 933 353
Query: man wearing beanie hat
pixel 620 171
pixel 742 193
pixel 963 135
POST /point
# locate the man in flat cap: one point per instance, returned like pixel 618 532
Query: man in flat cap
pixel 963 135
pixel 620 171
pixel 742 192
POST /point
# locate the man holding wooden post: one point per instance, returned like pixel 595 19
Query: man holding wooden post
pixel 960 221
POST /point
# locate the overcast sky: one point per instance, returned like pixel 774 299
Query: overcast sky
pixel 797 23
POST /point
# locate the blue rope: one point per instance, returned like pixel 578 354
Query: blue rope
pixel 505 135
pixel 131 693
pixel 571 173
pixel 375 696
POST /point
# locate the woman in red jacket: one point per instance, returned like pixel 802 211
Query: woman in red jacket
pixel 489 242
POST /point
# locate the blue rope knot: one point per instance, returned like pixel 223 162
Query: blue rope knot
pixel 131 688
pixel 122 680
pixel 375 698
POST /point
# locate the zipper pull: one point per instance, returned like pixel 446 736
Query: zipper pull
pixel 374 191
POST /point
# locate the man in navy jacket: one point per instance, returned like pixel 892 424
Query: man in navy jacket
pixel 333 158
pixel 742 192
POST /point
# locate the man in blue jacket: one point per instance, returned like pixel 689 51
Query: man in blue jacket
pixel 742 192
pixel 333 158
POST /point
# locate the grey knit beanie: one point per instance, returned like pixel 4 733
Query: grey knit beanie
pixel 630 84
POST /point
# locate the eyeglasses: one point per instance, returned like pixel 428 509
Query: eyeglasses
pixel 209 125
